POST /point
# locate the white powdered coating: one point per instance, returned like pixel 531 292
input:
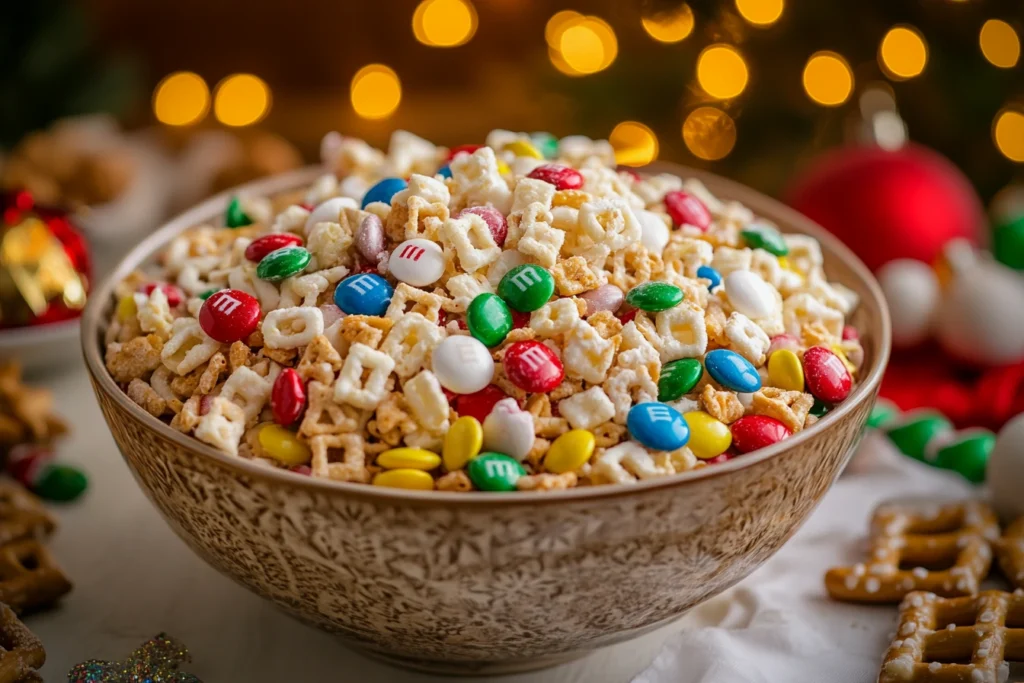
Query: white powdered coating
pixel 872 585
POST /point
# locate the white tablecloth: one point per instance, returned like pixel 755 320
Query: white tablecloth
pixel 133 578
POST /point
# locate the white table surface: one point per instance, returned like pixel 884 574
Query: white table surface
pixel 134 578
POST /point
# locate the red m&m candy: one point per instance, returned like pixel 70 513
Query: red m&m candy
pixel 533 367
pixel 462 149
pixel 287 397
pixel 850 332
pixel 686 209
pixel 752 432
pixel 562 177
pixel 262 246
pixel 229 315
pixel 478 404
pixel 826 375
pixel 495 220
pixel 173 294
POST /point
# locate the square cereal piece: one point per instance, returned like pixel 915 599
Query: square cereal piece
pixel 341 457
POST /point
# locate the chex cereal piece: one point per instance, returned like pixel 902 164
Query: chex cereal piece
pixel 22 515
pixel 1010 551
pixel 945 550
pixel 968 639
pixel 21 653
pixel 29 578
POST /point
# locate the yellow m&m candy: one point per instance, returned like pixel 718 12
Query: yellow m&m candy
pixel 413 480
pixel 283 446
pixel 838 350
pixel 408 458
pixel 126 308
pixel 709 438
pixel 462 443
pixel 522 148
pixel 570 451
pixel 785 370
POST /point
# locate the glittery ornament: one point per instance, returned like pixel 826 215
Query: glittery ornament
pixel 156 661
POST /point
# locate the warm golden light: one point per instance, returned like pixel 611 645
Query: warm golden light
pixel 671 26
pixel 582 45
pixel 760 12
pixel 999 43
pixel 241 100
pixel 828 79
pixel 180 99
pixel 557 24
pixel 1008 134
pixel 709 133
pixel 444 23
pixel 375 91
pixel 903 53
pixel 721 71
pixel 635 144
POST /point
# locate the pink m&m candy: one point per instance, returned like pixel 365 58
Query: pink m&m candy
pixel 262 246
pixel 562 177
pixel 752 432
pixel 173 294
pixel 784 341
pixel 495 220
pixel 229 315
pixel 686 209
pixel 533 367
pixel 850 332
pixel 287 397
pixel 826 374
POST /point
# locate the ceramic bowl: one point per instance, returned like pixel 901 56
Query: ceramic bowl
pixel 484 582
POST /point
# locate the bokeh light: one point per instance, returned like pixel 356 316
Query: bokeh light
pixel 241 100
pixel 671 26
pixel 580 45
pixel 721 71
pixel 375 91
pixel 444 23
pixel 181 98
pixel 635 144
pixel 760 12
pixel 709 133
pixel 999 43
pixel 903 53
pixel 828 79
pixel 1008 133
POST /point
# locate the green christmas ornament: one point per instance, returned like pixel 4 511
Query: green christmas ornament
pixel 1008 243
pixel 679 377
pixel 767 238
pixel 282 263
pixel 912 433
pixel 494 472
pixel 654 296
pixel 489 319
pixel 967 454
pixel 526 288
pixel 234 217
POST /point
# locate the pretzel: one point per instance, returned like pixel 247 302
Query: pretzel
pixel 21 653
pixel 947 549
pixel 22 515
pixel 949 640
pixel 1010 552
pixel 29 578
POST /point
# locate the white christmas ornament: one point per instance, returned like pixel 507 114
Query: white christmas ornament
pixel 911 289
pixel 1005 472
pixel 981 316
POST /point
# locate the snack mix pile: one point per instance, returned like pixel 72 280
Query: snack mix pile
pixel 519 315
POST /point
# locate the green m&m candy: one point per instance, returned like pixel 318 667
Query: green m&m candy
pixel 654 296
pixel 526 288
pixel 208 293
pixel 234 216
pixel 494 472
pixel 765 237
pixel 546 143
pixel 679 377
pixel 282 263
pixel 967 454
pixel 60 483
pixel 819 408
pixel 912 433
pixel 882 413
pixel 1008 243
pixel 488 319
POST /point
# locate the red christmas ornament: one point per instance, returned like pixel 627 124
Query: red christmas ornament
pixel 885 205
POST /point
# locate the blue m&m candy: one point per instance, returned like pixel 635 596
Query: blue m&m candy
pixel 657 426
pixel 709 273
pixel 363 294
pixel 445 171
pixel 384 191
pixel 732 371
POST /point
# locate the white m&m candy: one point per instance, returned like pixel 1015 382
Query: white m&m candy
pixel 462 364
pixel 750 295
pixel 508 430
pixel 417 262
pixel 329 211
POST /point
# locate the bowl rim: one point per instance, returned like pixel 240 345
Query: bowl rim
pixel 762 205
